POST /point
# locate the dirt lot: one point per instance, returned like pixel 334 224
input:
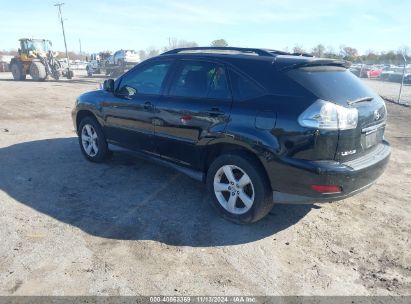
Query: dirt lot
pixel 70 227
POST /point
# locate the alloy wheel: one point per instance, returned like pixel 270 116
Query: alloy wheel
pixel 234 189
pixel 89 140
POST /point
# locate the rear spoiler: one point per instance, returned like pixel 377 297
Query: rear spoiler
pixel 287 63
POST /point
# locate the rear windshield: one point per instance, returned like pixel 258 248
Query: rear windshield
pixel 333 84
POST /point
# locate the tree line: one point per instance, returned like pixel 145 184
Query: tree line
pixel 352 54
pixel 343 52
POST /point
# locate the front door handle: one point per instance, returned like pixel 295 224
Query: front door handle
pixel 148 105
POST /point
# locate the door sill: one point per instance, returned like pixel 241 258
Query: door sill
pixel 195 174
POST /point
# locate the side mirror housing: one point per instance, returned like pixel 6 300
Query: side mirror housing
pixel 108 85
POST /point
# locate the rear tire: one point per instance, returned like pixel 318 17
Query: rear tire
pixel 92 141
pixel 239 188
pixel 37 71
pixel 70 74
pixel 89 72
pixel 16 68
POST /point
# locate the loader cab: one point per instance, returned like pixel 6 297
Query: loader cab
pixel 28 46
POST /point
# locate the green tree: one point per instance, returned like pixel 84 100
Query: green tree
pixel 142 54
pixel 404 50
pixel 152 52
pixel 370 57
pixel 174 43
pixel 318 51
pixel 348 53
pixel 298 49
pixel 330 53
pixel 219 43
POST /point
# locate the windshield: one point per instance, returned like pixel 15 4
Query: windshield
pixel 38 45
pixel 331 83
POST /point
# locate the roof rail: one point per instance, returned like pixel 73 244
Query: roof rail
pixel 258 52
pixel 275 52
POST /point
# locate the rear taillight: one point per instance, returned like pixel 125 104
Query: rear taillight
pixel 329 116
pixel 326 188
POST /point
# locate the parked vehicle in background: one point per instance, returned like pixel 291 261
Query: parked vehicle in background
pixel 394 73
pixel 374 73
pixel 112 64
pixel 97 63
pixel 125 58
pixel 386 74
pixel 257 126
pixel 360 70
pixel 5 62
pixel 120 62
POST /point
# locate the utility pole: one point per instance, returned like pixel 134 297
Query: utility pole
pixel 81 53
pixel 402 79
pixel 64 35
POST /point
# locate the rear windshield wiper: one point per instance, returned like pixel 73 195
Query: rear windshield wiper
pixel 362 99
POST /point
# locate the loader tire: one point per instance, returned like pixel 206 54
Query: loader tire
pixel 38 71
pixel 70 74
pixel 16 68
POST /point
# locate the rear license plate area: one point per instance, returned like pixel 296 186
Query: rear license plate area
pixel 373 138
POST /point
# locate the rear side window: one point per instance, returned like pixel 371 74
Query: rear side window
pixel 333 84
pixel 244 88
pixel 200 80
pixel 265 74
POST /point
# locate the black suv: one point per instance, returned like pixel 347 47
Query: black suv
pixel 257 126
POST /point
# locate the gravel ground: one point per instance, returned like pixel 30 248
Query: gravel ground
pixel 129 227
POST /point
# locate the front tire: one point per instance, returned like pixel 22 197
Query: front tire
pixel 37 71
pixel 239 188
pixel 92 141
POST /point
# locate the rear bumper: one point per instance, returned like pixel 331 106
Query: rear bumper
pixel 353 177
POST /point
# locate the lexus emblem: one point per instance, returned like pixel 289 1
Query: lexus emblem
pixel 377 115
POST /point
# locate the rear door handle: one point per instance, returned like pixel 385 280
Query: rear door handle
pixel 214 112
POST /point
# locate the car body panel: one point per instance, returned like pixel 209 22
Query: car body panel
pixel 186 125
pixel 183 131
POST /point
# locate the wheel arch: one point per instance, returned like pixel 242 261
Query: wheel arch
pixel 214 150
pixel 17 61
pixel 81 114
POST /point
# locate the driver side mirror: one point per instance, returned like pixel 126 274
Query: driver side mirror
pixel 108 85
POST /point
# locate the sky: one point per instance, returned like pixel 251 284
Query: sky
pixel 380 25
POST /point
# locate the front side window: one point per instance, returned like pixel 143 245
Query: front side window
pixel 201 80
pixel 146 80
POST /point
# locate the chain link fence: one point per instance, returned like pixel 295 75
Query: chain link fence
pixel 390 90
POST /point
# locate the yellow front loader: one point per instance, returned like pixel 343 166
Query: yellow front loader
pixel 35 58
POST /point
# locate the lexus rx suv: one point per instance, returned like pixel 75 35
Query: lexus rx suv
pixel 257 126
